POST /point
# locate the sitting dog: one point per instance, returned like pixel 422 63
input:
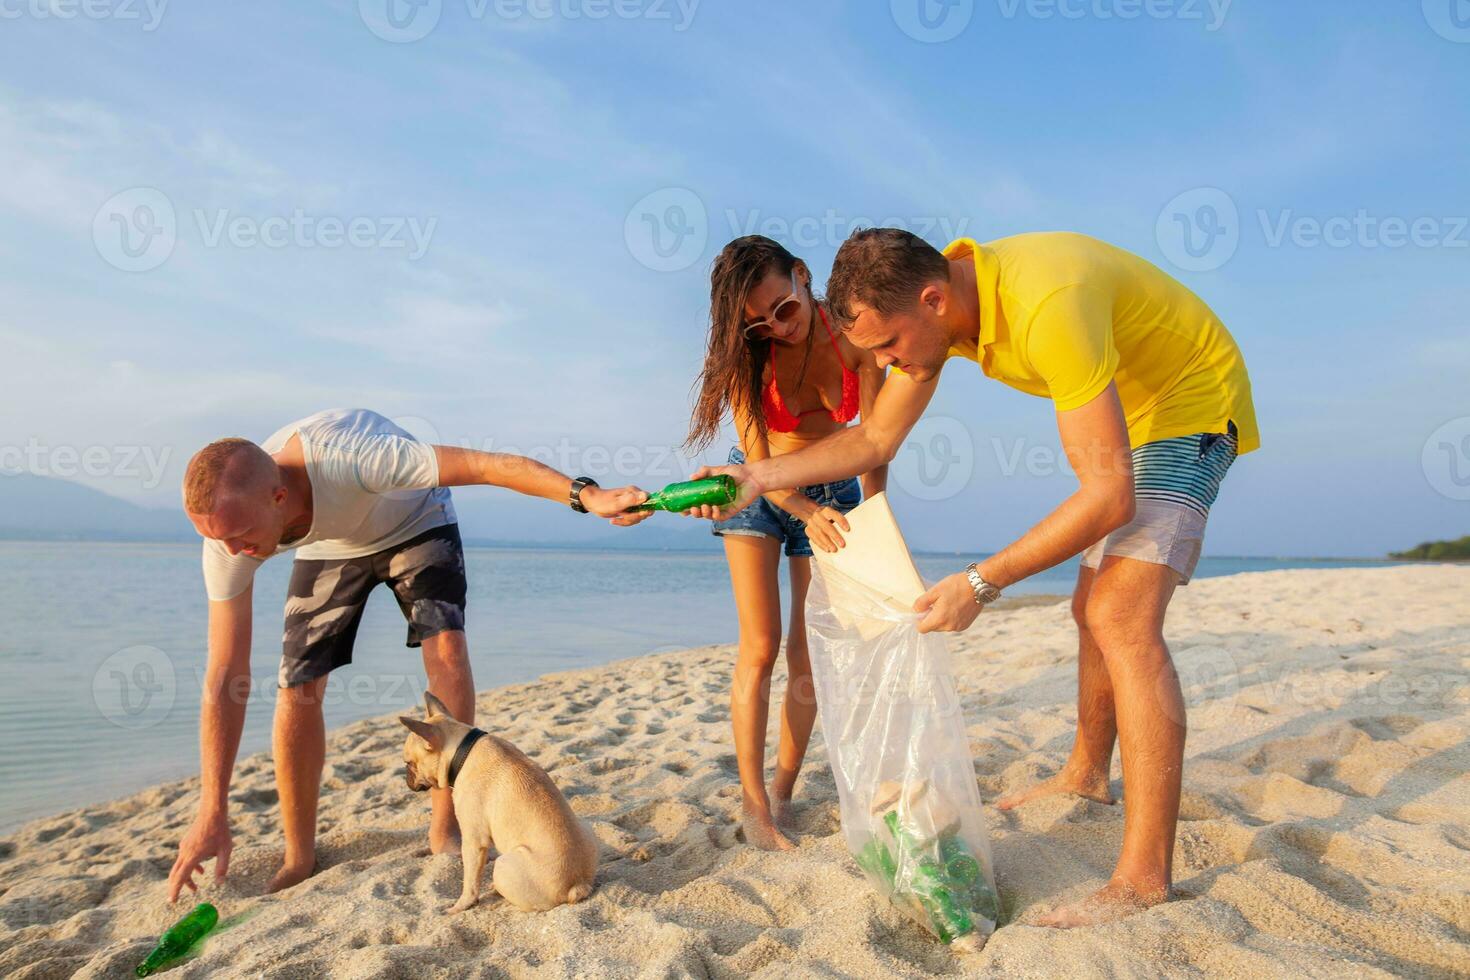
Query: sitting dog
pixel 547 857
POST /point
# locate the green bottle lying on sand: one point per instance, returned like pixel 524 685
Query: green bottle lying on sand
pixel 180 938
pixel 717 491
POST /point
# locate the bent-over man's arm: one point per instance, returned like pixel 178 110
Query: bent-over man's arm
pixel 221 720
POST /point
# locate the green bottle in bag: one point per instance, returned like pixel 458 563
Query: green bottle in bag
pixel 958 861
pixel 717 491
pixel 180 938
pixel 877 860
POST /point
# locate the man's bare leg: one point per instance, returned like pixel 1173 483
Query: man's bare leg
pixel 447 664
pixel 799 706
pixel 753 566
pixel 1125 614
pixel 299 744
pixel 1087 769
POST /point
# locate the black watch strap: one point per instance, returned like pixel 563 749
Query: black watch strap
pixel 578 485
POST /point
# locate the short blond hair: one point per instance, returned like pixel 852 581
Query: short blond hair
pixel 223 465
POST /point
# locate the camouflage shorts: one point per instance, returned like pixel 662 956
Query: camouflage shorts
pixel 326 598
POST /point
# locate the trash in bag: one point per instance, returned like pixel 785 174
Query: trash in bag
pixel 896 735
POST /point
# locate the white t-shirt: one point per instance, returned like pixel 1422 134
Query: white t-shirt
pixel 372 486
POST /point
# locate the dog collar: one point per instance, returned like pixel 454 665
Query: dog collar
pixel 462 753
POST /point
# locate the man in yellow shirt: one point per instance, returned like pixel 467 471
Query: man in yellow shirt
pixel 1153 404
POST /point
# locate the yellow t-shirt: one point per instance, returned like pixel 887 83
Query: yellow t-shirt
pixel 1062 315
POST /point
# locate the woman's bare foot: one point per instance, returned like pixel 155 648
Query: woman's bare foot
pixel 1118 898
pixel 761 832
pixel 781 814
pixel 291 873
pixel 1091 785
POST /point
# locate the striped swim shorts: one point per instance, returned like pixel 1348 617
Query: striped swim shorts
pixel 1175 482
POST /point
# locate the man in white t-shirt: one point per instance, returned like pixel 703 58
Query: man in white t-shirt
pixel 364 503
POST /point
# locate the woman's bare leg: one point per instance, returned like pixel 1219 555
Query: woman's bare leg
pixel 754 564
pixel 799 707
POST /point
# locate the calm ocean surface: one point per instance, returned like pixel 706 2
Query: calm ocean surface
pixel 102 654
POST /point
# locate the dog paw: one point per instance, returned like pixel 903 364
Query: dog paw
pixel 460 906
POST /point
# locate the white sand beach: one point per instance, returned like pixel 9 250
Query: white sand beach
pixel 1325 825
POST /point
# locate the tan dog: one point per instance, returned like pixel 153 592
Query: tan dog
pixel 502 799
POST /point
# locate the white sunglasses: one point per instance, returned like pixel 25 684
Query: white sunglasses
pixel 784 312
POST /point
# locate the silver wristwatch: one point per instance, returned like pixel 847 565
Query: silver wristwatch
pixel 985 593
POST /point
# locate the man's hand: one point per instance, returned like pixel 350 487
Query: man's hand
pixel 747 490
pixel 209 837
pixel 950 605
pixel 614 502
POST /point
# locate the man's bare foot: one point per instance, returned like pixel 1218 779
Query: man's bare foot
pixel 761 832
pixel 1118 898
pixel 1091 785
pixel 291 874
pixel 444 841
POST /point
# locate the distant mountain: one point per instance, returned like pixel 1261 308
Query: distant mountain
pixel 41 508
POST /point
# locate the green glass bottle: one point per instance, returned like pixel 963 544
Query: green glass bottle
pixel 180 938
pixel 936 893
pixel 877 860
pixel 958 862
pixel 717 491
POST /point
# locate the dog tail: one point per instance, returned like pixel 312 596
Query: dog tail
pixel 578 892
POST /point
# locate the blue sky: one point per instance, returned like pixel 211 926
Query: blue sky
pixel 457 228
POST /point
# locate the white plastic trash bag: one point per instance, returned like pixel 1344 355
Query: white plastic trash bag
pixel 896 737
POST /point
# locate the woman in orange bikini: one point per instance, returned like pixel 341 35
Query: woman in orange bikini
pixel 776 365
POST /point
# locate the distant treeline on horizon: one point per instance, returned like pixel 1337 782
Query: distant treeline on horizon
pixel 1458 550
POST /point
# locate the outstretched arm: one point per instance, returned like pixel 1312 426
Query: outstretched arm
pixel 852 451
pixel 221 719
pixel 469 467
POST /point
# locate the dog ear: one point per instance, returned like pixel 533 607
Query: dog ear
pixel 436 707
pixel 429 733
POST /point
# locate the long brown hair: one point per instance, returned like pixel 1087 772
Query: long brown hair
pixel 733 362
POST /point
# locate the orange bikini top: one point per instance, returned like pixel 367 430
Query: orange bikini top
pixel 779 417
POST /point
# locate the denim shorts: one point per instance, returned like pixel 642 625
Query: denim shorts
pixel 764 519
